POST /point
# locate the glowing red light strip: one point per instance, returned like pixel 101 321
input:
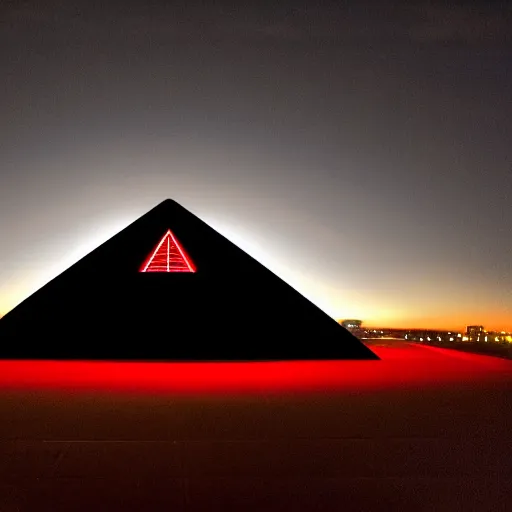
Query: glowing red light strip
pixel 402 367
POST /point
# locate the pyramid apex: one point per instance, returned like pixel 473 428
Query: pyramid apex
pixel 165 204
pixel 167 201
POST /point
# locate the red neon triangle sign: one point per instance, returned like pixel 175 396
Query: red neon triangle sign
pixel 168 256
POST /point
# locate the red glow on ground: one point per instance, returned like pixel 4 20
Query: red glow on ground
pixel 168 256
pixel 401 367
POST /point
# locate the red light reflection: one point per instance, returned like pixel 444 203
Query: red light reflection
pixel 400 367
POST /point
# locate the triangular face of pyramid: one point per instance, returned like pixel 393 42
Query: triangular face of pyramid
pixel 168 256
pixel 169 287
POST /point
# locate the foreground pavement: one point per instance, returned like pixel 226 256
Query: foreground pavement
pixel 423 429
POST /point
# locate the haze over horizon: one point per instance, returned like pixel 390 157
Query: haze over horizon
pixel 361 152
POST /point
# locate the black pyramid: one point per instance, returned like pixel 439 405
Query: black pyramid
pixel 169 287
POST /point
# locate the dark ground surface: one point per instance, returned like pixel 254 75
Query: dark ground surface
pixel 424 429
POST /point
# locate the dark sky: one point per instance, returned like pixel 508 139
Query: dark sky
pixel 361 150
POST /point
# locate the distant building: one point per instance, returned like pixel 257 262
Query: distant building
pixel 500 337
pixel 475 333
pixel 351 324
